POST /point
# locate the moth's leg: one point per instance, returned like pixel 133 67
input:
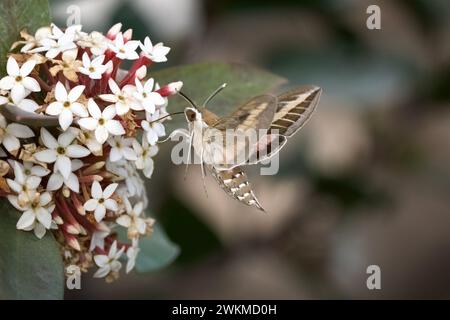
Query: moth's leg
pixel 202 167
pixel 191 137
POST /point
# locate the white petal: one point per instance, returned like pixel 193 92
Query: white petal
pixel 64 139
pixel 55 182
pixel 113 86
pixel 27 67
pixel 122 108
pixel 54 108
pixel 31 84
pixel 109 190
pixel 101 260
pixel 109 112
pixel 77 151
pixel 44 217
pixel 72 183
pixel 129 154
pixel 26 220
pixel 11 143
pixel 124 220
pixel 48 140
pixel 64 166
pixel 47 156
pixel 93 108
pixel 19 130
pixel 114 127
pixel 102 272
pixel 90 205
pixel 115 155
pixel 108 97
pixel 65 119
pixel 45 199
pixel 101 134
pixel 111 204
pixel 60 92
pixel 75 93
pixel 18 92
pixel 78 109
pixel 12 67
pixel 99 212
pixel 96 190
pixel 39 230
pixel 33 182
pixel 6 83
pixel 88 123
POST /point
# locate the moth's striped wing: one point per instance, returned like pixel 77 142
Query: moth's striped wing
pixel 235 183
pixel 294 109
pixel 257 113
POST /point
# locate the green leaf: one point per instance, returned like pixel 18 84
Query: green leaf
pixel 16 15
pixel 200 80
pixel 157 251
pixel 30 268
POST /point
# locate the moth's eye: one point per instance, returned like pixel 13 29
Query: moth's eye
pixel 191 115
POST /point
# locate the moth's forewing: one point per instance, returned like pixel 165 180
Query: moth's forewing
pixel 235 183
pixel 247 119
pixel 257 113
pixel 294 109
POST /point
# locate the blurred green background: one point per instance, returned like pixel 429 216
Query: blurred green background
pixel 367 181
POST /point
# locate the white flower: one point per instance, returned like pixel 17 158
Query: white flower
pixel 60 151
pixel 88 138
pixel 10 133
pixel 96 42
pixel 122 99
pixel 24 185
pixel 132 254
pixel 146 97
pixel 66 105
pixel 124 50
pixel 31 42
pixel 133 220
pixel 58 41
pixel 153 128
pixel 24 104
pixel 102 122
pixel 121 148
pixel 56 180
pixel 93 68
pixel 108 263
pixel 18 80
pixel 37 214
pixel 156 53
pixel 144 154
pixel 101 200
pixel 98 237
pixel 30 169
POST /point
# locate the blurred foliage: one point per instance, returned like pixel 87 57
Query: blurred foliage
pixel 194 237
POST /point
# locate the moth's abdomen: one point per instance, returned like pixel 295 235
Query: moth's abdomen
pixel 235 183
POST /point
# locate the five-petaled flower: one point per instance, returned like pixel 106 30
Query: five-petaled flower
pixel 110 262
pixel 101 200
pixel 66 105
pixel 123 99
pixel 18 80
pixel 60 151
pixel 102 122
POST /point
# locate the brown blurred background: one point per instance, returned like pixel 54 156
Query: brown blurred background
pixel 366 182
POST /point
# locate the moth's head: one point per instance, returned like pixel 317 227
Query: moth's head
pixel 192 114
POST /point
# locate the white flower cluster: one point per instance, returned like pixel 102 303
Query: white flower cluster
pixel 71 165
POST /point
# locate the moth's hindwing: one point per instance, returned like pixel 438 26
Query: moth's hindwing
pixel 235 183
pixel 294 109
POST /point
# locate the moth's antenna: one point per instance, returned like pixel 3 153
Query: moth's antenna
pixel 185 97
pixel 214 94
pixel 167 115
